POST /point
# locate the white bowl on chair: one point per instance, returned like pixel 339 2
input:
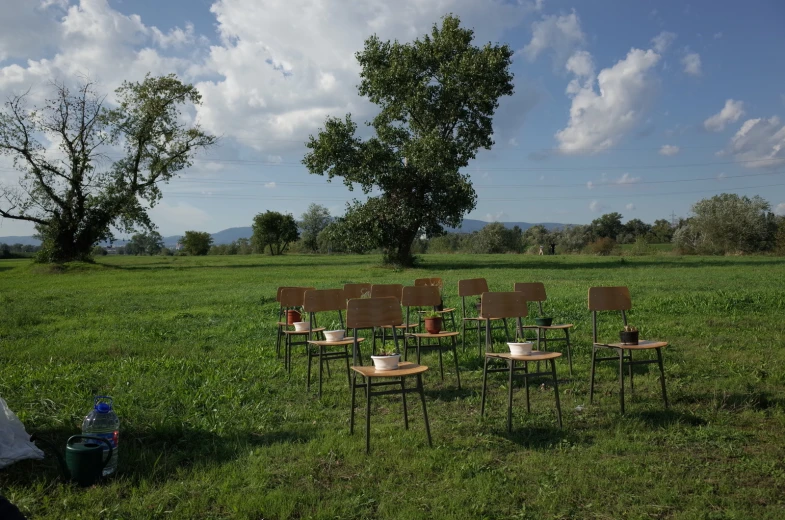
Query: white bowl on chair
pixel 302 326
pixel 334 335
pixel 521 349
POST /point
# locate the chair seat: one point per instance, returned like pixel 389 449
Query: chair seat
pixel 477 318
pixel 344 341
pixel 445 334
pixel 405 368
pixel 642 345
pixel 402 326
pixel 550 327
pixel 443 311
pixel 536 355
pixel 297 332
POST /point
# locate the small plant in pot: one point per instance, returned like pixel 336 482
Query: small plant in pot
pixel 543 321
pixel 433 322
pixel 521 347
pixel 386 360
pixel 629 336
pixel 334 334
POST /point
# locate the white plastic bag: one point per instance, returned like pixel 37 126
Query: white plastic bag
pixel 15 444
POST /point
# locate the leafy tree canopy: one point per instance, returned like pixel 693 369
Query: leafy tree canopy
pixel 437 96
pixel 76 195
pixel 196 243
pixel 275 231
pixel 313 222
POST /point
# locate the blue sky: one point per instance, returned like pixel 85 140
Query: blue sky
pixel 637 107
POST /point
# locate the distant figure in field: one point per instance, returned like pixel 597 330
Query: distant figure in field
pixel 540 251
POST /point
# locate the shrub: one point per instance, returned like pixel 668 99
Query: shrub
pixel 602 246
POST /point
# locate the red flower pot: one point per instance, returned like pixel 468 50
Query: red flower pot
pixel 292 316
pixel 433 325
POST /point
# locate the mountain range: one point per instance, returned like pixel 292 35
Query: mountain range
pixel 231 234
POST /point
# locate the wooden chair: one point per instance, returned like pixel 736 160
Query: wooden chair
pixel 372 313
pixel 356 290
pixel 513 305
pixel 293 300
pixel 618 299
pixel 466 289
pixel 535 292
pixel 437 282
pixel 292 297
pixel 322 301
pixel 428 296
pixel 389 290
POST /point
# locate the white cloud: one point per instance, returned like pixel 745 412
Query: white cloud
pixel 627 179
pixel 669 150
pixel 630 207
pixel 590 185
pixel 718 35
pixel 596 207
pixel 558 34
pixel 692 64
pixel 269 185
pixel 780 209
pixel 180 215
pixel 662 41
pixel 730 113
pixel 600 117
pixel 759 143
pixel 721 176
pixel 495 217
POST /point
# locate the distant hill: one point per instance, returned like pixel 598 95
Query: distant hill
pixel 230 235
pixel 470 225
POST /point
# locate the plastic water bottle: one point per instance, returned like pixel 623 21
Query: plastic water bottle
pixel 103 422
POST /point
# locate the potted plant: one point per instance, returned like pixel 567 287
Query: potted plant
pixel 629 336
pixel 521 347
pixel 334 334
pixel 433 322
pixel 543 321
pixel 386 360
pixel 293 315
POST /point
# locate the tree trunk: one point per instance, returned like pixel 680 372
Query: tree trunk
pixel 400 254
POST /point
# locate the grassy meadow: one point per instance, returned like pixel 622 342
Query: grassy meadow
pixel 213 427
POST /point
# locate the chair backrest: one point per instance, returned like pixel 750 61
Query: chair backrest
pixel 532 291
pixel 422 296
pixel 385 290
pixel 280 290
pixel 473 287
pixel 503 305
pixel 425 282
pixel 324 300
pixel 293 296
pixel 609 299
pixel 364 313
pixel 356 290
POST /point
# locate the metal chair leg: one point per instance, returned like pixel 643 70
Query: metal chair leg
pixel 455 357
pixel 484 385
pixel 556 390
pixel 621 378
pixel 353 385
pixel 368 415
pixel 662 376
pixel 591 377
pixel 569 348
pixel 424 409
pixel 511 365
pixel 405 411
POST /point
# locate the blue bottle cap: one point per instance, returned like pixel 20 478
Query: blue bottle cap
pixel 103 407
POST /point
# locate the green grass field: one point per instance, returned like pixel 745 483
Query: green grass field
pixel 212 427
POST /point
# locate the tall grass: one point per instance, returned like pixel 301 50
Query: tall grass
pixel 213 427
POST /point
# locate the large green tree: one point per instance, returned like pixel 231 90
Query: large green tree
pixel 728 223
pixel 196 243
pixel 608 226
pixel 76 194
pixel 313 222
pixel 436 97
pixel 275 231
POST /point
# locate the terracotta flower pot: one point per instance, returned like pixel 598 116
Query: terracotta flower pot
pixel 292 316
pixel 433 325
